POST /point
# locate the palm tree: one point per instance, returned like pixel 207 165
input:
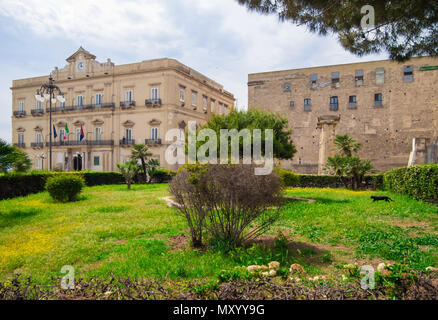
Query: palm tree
pixel 128 170
pixel 346 145
pixel 152 165
pixel 141 152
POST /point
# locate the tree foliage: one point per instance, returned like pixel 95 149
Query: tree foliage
pixel 12 158
pixel 403 28
pixel 348 167
pixel 140 152
pixel 129 170
pixel 255 119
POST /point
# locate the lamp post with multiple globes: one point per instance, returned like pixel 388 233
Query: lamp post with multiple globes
pixel 50 92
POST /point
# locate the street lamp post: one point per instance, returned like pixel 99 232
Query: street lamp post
pixel 47 92
pixel 43 156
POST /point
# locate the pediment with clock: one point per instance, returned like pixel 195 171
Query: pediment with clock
pixel 82 64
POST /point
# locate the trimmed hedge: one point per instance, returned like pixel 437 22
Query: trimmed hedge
pixel 288 178
pixel 372 181
pixel 162 175
pixel 18 185
pixel 95 178
pixel 419 182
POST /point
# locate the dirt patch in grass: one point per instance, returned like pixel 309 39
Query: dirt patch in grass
pixel 179 242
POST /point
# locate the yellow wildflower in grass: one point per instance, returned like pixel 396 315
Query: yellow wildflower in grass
pixel 29 243
pixel 33 203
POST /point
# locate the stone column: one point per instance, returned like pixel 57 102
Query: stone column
pixel 419 151
pixel 327 126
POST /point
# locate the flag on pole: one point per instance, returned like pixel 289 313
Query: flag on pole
pixel 66 131
pixel 82 133
pixel 55 135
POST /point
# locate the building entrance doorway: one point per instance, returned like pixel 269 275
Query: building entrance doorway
pixel 77 162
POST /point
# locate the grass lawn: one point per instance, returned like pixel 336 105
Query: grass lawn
pixel 134 234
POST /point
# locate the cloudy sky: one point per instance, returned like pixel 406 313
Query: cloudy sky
pixel 219 38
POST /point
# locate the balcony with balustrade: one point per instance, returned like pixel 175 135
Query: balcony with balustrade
pixel 20 145
pixel 88 107
pixel 126 142
pixel 37 112
pixel 127 104
pixel 19 114
pixel 153 103
pixel 152 142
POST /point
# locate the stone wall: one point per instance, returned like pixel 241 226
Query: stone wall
pixel 386 129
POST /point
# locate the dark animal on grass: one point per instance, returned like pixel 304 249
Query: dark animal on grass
pixel 387 199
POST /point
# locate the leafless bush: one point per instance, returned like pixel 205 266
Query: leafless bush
pixel 232 202
pixel 189 197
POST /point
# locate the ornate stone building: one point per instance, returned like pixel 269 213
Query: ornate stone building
pixel 391 108
pixel 114 107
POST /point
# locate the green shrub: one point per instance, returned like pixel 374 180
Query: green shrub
pixel 96 178
pixel 370 181
pixel 162 175
pixel 19 184
pixel 288 178
pixel 319 181
pixel 419 182
pixel 65 188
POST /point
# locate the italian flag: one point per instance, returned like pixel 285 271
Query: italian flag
pixel 66 131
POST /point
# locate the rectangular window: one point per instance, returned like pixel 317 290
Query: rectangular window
pixel 128 96
pixel 194 98
pixel 408 74
pixel 128 134
pixel 96 161
pixel 80 101
pixel 359 77
pixel 313 81
pixel 220 107
pixel 335 77
pixel 380 76
pixel 62 105
pixel 182 93
pixel 378 98
pixel 225 109
pixel 20 138
pixel 287 86
pixel 307 104
pixel 78 134
pixel 38 138
pixel 155 94
pixel 212 102
pixel 334 103
pixel 98 99
pixel 154 133
pixel 38 163
pixel 39 105
pixel 21 106
pixel 352 102
pixel 97 133
pixel 204 103
pixel 291 103
pixel 61 134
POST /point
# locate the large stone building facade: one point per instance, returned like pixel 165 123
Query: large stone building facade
pixel 114 107
pixel 391 108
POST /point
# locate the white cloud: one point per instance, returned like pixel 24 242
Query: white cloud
pixel 219 38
